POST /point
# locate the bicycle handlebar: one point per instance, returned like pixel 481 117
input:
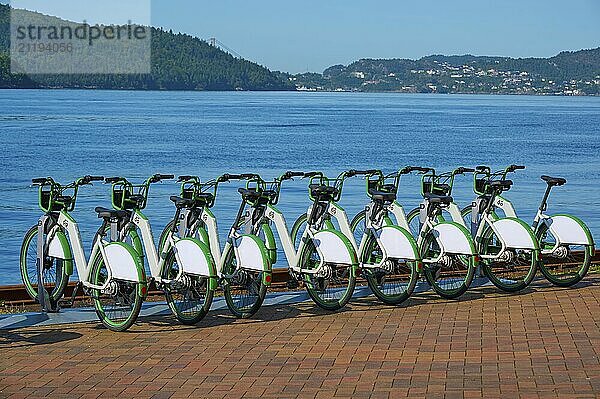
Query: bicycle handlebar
pixel 158 177
pixel 353 172
pixel 38 181
pixel 409 169
pixel 462 170
pixel 186 178
pixel 244 176
pixel 113 179
pixel 291 174
pixel 513 168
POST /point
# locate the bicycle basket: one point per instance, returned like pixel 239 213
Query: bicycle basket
pixel 435 188
pixel 46 198
pixel 481 186
pixel 122 194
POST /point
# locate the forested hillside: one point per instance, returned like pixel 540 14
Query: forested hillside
pixel 179 62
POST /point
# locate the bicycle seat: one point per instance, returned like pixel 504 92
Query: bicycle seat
pixel 182 202
pixel 553 181
pixel 322 192
pixel 438 199
pixel 110 213
pixel 502 185
pixel 384 196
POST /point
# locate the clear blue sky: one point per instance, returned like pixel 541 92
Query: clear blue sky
pixel 310 35
pixel 297 36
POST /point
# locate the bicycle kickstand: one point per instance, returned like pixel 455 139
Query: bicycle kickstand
pixel 70 303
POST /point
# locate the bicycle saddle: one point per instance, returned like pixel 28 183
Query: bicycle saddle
pixel 110 213
pixel 384 196
pixel 553 181
pixel 182 202
pixel 438 199
pixel 502 185
pixel 322 191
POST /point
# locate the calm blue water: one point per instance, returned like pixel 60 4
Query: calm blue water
pixel 67 134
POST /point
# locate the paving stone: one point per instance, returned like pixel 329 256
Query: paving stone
pixel 543 343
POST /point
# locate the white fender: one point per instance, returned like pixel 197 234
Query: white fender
pixel 398 243
pixel 515 233
pixel 454 238
pixel 569 230
pixel 334 247
pixel 194 257
pixel 123 261
pixel 252 253
pixel 58 247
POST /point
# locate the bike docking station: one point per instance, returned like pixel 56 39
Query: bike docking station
pixel 437 245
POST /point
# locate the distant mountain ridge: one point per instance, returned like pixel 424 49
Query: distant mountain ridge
pixel 569 72
pixel 179 62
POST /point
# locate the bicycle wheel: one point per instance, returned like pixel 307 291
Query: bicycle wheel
pixel 452 274
pixel 334 286
pixel 54 277
pixel 413 222
pixel 244 289
pixel 188 297
pixel 358 226
pixel 164 234
pixel 395 283
pixel 568 264
pixel 298 229
pixel 513 270
pixel 119 304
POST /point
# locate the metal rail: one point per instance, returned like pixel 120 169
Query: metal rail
pixel 12 295
pixel 17 295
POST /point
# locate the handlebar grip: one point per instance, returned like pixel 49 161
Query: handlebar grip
pixel 112 179
pixel 423 170
pixel 482 168
pixel 249 175
pixel 463 170
pixel 353 172
pixel 227 177
pixel 39 180
pixel 165 177
pixel 290 174
pixel 312 174
pixel 512 168
pixel 184 178
pixel 95 178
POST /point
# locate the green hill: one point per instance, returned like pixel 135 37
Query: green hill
pixel 576 73
pixel 179 62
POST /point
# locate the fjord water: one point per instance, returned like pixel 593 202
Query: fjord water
pixel 66 134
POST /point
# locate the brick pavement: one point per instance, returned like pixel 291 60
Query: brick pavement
pixel 544 342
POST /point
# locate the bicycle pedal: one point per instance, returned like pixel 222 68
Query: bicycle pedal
pixel 292 284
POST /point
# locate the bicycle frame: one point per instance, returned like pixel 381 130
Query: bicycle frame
pixel 192 255
pixel 394 241
pixel 567 229
pixel 331 245
pixel 119 260
pixel 330 248
pixel 250 251
pixel 511 231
